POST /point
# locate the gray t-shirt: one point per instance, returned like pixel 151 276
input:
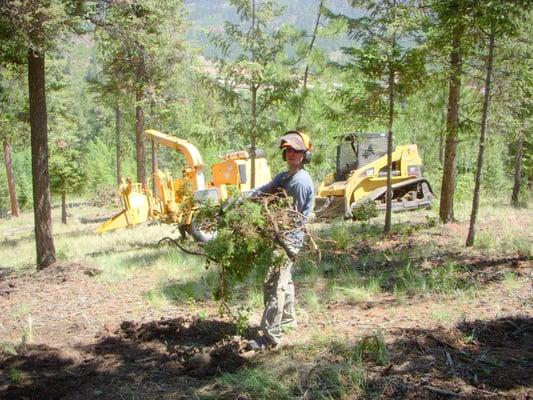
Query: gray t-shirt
pixel 300 187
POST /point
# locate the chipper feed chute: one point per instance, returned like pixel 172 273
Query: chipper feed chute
pixel 137 208
pixel 175 200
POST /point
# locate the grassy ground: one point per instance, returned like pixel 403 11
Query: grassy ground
pixel 410 315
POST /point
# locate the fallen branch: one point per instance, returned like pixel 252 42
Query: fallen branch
pixel 442 391
pixel 485 392
pixel 277 234
pixel 185 250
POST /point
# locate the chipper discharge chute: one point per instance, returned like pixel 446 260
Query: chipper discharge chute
pixel 175 199
pixel 361 176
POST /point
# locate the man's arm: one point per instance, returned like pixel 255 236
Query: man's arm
pixel 304 195
pixel 268 188
pixel 304 200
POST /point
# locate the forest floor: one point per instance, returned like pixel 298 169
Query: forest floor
pixel 413 315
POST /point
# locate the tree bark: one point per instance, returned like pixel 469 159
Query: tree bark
pixel 12 187
pixel 388 206
pixel 452 126
pixel 139 137
pixel 253 90
pixel 442 139
pixel 306 72
pixel 154 164
pixel 63 207
pixel 253 144
pixel 117 143
pixel 484 119
pixel 515 202
pixel 391 83
pixel 44 240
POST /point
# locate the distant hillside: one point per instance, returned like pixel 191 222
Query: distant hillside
pixel 208 16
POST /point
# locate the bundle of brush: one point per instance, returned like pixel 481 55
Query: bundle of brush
pixel 249 235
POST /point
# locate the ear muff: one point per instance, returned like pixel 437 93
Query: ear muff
pixel 308 156
pixel 307 143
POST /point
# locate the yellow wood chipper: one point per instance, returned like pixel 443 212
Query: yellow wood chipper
pixel 175 199
pixel 361 176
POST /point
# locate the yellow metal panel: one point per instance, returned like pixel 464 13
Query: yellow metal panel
pixel 194 160
pixel 262 173
pixel 225 173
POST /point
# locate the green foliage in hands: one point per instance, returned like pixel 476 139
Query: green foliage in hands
pixel 245 246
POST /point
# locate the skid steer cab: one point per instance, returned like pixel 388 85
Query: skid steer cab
pixel 175 200
pixel 361 176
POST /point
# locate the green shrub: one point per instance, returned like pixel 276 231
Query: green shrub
pixel 336 381
pixel 259 383
pixel 365 211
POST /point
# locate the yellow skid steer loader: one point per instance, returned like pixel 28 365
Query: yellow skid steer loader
pixel 361 176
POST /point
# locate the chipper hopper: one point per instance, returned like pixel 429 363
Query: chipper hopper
pixel 175 199
pixel 361 176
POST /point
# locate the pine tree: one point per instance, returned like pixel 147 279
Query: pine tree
pixel 513 108
pixel 13 124
pixel 391 63
pixel 31 28
pixel 255 74
pixel 139 45
pixel 451 29
pixel 497 20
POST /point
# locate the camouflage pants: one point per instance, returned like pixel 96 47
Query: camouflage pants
pixel 278 298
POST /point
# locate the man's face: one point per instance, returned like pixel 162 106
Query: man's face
pixel 295 158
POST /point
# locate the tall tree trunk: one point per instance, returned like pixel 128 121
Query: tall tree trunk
pixel 452 126
pixel 442 135
pixel 306 72
pixel 253 90
pixel 63 207
pixel 515 202
pixel 388 206
pixel 117 143
pixel 154 164
pixel 44 240
pixel 253 144
pixel 12 187
pixel 442 140
pixel 139 137
pixel 484 119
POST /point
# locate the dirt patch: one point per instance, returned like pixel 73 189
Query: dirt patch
pixel 142 359
pixel 474 360
pixel 72 336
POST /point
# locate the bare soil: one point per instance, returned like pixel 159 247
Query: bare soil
pixel 88 339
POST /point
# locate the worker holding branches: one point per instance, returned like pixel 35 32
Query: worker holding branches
pixel 278 288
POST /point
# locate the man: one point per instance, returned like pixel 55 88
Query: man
pixel 278 288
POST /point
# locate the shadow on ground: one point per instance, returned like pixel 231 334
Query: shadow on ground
pixel 141 360
pixel 131 246
pixel 176 358
pixel 475 360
